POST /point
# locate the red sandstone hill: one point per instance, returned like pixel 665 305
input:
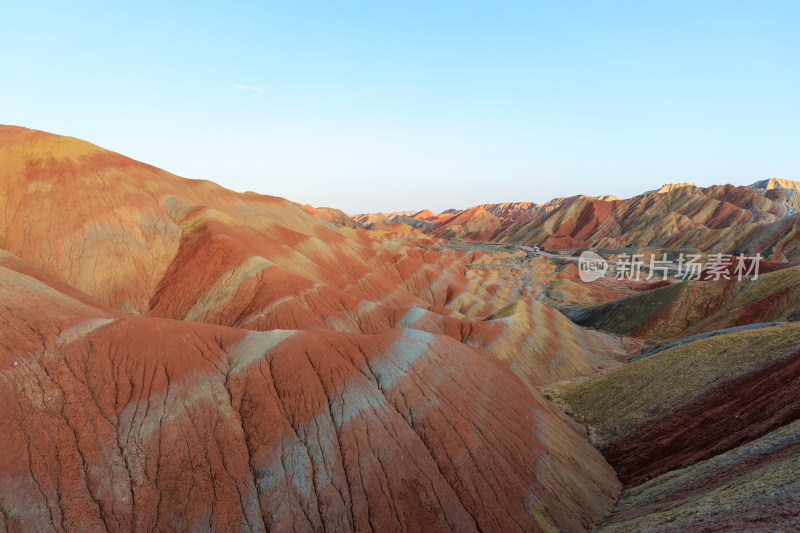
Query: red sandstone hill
pixel 334 215
pixel 178 356
pixel 119 422
pixel 473 224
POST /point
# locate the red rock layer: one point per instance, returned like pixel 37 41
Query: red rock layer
pixel 731 414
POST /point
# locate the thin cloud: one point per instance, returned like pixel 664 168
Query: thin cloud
pixel 248 88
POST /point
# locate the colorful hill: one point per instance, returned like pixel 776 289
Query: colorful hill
pixel 760 218
pixel 176 355
pixel 119 422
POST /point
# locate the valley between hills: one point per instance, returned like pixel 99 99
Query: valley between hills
pixel 176 356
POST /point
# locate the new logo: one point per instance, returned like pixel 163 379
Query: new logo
pixel 591 266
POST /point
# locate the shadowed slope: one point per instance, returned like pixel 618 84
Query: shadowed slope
pixel 683 429
pixel 751 488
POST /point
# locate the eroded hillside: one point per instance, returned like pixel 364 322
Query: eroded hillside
pixel 178 356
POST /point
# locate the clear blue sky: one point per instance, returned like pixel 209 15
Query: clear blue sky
pixel 377 106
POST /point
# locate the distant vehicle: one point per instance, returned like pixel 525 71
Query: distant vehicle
pixel 536 249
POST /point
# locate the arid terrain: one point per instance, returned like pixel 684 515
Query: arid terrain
pixel 176 356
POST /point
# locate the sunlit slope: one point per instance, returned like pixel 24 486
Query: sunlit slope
pixel 110 225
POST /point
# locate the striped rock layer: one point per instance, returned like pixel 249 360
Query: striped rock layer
pixel 704 435
pixel 178 356
pixel 762 218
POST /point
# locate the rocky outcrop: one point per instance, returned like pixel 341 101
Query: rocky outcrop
pixel 776 183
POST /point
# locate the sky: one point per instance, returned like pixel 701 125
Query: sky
pixel 389 106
